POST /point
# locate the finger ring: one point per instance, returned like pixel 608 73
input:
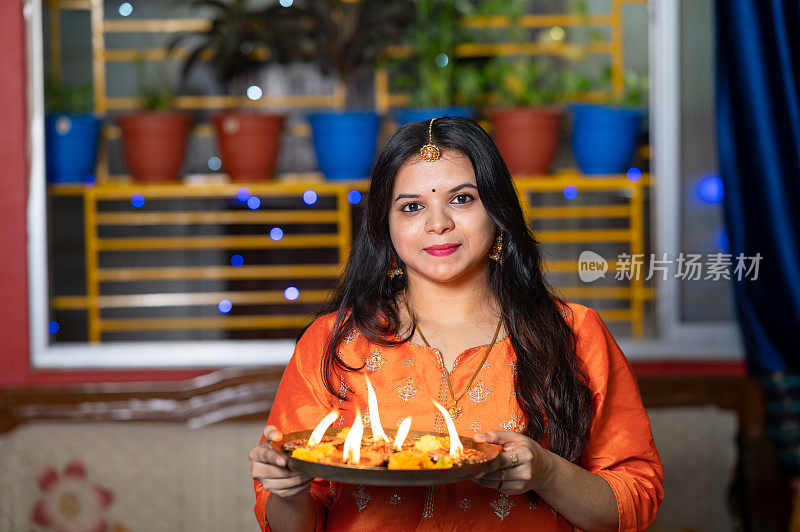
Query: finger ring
pixel 514 457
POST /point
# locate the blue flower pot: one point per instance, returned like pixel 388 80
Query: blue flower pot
pixel 345 143
pixel 604 138
pixel 71 147
pixel 423 114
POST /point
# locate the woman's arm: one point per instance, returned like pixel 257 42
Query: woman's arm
pixel 290 505
pixel 293 514
pixel 585 499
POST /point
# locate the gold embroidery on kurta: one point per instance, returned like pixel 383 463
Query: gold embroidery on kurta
pixel 409 363
pixel 502 506
pixel 361 496
pixel 407 390
pixel 343 387
pixel 475 425
pixel 375 361
pixel 427 509
pixel 479 392
pixel 365 419
pixel 513 424
pixel 395 500
pixel 465 504
pixel 352 335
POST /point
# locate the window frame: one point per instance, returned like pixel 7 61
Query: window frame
pixel 676 340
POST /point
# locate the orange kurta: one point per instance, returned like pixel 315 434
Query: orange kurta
pixel 408 376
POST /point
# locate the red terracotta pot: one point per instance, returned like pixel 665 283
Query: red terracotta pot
pixel 249 144
pixel 527 138
pixel 154 144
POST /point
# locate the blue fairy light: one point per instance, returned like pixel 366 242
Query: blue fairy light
pixel 570 192
pixel 723 244
pixel 242 194
pixel 224 306
pixel 253 202
pixel 354 197
pixel 276 233
pixel 137 200
pixel 237 261
pixel 442 60
pixel 291 293
pixel 53 327
pixel 125 9
pixel 710 189
pixel 634 174
pixel 214 163
pixel 309 197
pixel 286 3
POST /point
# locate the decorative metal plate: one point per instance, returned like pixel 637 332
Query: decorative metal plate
pixel 381 476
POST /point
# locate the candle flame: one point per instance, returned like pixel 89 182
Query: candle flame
pixel 402 432
pixel 455 443
pixel 374 416
pixel 319 431
pixel 351 452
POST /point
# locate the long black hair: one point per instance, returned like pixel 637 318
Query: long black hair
pixel 551 384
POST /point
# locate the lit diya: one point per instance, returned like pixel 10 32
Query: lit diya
pixel 387 457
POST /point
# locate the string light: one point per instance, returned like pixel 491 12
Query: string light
pixel 276 233
pixel 570 192
pixel 214 163
pixel 254 92
pixel 224 306
pixel 309 197
pixel 634 174
pixel 242 194
pixel 137 200
pixel 237 261
pixel 253 202
pixel 291 293
pixel 354 197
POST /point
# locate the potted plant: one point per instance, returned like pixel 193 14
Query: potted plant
pixel 154 138
pixel 345 39
pixel 71 133
pixel 526 117
pixel 439 84
pixel 605 136
pixel 235 45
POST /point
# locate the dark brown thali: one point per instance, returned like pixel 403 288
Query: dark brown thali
pixel 381 476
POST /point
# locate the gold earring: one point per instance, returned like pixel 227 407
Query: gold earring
pixel 496 253
pixel 394 270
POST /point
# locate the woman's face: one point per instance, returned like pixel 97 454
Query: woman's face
pixel 437 222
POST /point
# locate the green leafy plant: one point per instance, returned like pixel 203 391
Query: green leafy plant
pixel 524 81
pixel 233 44
pixel 339 37
pixel 60 98
pixel 432 75
pixel 154 91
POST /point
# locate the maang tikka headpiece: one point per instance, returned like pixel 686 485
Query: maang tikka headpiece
pixel 430 152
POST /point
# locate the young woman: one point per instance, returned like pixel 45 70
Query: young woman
pixel 444 298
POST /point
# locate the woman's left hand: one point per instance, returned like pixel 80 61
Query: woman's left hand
pixel 522 465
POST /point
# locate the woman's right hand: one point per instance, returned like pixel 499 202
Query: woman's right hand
pixel 268 466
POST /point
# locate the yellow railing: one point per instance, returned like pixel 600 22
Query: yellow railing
pixel 626 299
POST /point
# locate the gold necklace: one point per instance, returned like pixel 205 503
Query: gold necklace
pixel 454 409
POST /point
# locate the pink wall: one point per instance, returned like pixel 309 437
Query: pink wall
pixel 14 349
